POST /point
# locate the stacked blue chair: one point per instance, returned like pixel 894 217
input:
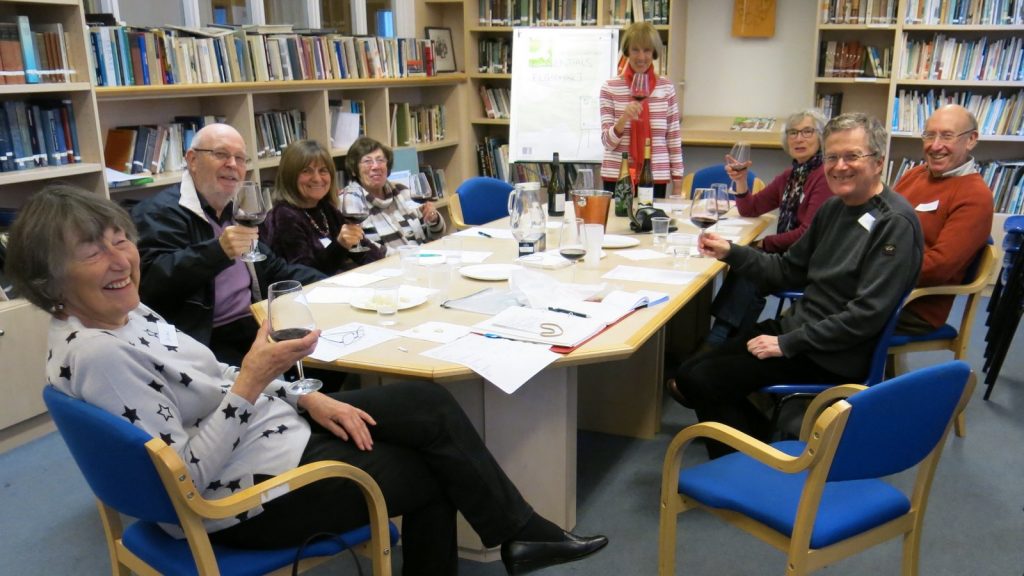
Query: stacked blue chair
pixel 133 474
pixel 822 498
pixel 1007 302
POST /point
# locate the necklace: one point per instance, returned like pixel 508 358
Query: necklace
pixel 326 230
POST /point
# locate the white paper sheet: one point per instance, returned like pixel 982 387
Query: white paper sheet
pixel 349 339
pixel 507 364
pixel 354 279
pixel 467 256
pixel 638 254
pixel 442 332
pixel 330 295
pixel 495 233
pixel 653 275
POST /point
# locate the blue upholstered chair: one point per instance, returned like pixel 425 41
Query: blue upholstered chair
pixel 133 474
pixel 1007 302
pixel 821 498
pixel 479 200
pixel 947 337
pixel 714 174
pixel 783 393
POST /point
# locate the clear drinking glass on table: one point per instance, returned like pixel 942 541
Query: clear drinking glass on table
pixel 290 319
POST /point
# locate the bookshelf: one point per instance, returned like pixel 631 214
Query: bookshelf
pixel 940 52
pixel 487 24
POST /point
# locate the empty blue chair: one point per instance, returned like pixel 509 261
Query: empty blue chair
pixel 821 498
pixel 133 474
pixel 479 200
pixel 716 174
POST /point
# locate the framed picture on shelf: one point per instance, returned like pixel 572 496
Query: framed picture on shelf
pixel 444 51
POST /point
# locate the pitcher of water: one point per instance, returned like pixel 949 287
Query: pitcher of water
pixel 525 212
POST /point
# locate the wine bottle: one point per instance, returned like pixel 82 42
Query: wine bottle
pixel 623 188
pixel 556 192
pixel 645 181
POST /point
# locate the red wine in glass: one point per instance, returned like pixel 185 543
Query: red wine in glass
pixel 289 334
pixel 641 87
pixel 703 222
pixel 290 319
pixel 251 204
pixel 250 220
pixel 572 253
pixel 355 208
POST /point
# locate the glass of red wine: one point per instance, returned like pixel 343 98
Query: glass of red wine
pixel 572 244
pixel 704 210
pixel 250 209
pixel 291 319
pixel 640 89
pixel 355 207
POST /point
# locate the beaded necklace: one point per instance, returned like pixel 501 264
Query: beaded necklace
pixel 326 230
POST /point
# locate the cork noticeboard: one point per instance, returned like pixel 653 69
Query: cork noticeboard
pixel 753 18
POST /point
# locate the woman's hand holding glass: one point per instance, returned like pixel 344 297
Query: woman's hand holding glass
pixel 291 319
pixel 355 208
pixel 351 236
pixel 737 161
pixel 267 360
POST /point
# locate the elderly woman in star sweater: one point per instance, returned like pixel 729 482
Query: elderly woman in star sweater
pixel 72 253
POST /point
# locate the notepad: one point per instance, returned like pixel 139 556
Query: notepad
pixel 542 326
pixel 614 306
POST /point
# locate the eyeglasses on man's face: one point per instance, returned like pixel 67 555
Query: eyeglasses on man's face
pixel 848 158
pixel 375 161
pixel 223 156
pixel 945 137
pixel 805 132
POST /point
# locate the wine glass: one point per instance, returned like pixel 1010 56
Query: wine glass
pixel 250 210
pixel 704 210
pixel 724 199
pixel 640 89
pixel 420 188
pixel 355 208
pixel 738 158
pixel 572 243
pixel 291 319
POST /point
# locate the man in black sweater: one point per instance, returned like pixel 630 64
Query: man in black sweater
pixel 855 263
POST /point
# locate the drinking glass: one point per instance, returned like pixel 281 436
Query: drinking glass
pixel 572 243
pixel 250 210
pixel 355 208
pixel 385 299
pixel 738 158
pixel 420 188
pixel 584 179
pixel 640 89
pixel 704 210
pixel 724 199
pixel 659 231
pixel 291 319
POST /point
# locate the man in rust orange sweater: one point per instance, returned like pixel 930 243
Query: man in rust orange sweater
pixel 955 208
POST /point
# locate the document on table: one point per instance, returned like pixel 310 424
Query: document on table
pixel 543 326
pixel 614 306
pixel 507 364
pixel 441 332
pixel 465 256
pixel 641 254
pixel 349 339
pixel 354 279
pixel 477 232
pixel 653 275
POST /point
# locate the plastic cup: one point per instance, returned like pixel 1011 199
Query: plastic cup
pixel 385 299
pixel 659 227
pixel 595 238
pixel 453 251
pixel 680 246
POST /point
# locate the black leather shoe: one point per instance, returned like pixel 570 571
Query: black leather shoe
pixel 519 556
pixel 673 391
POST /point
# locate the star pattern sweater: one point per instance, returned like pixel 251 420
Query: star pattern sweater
pixel 956 217
pixel 177 391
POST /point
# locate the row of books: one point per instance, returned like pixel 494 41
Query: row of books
pixel 496 101
pixel 33 53
pixel 625 12
pixel 965 12
pixel 1006 179
pixel 412 124
pixel 851 59
pixel 153 149
pixel 996 114
pixel 348 122
pixel 831 105
pixel 858 11
pixel 276 129
pixel 538 13
pixel 495 56
pixel 37 134
pixel 492 158
pixel 946 58
pixel 129 56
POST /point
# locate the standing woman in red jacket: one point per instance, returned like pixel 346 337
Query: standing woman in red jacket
pixel 626 123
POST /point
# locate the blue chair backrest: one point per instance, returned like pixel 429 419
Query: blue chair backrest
pixel 881 351
pixel 111 454
pixel 895 424
pixel 483 199
pixel 716 174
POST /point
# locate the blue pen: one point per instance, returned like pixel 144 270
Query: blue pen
pixel 571 312
pixel 484 234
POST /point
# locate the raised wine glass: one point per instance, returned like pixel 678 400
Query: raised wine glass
pixel 250 210
pixel 738 158
pixel 423 187
pixel 291 319
pixel 640 89
pixel 355 208
pixel 704 210
pixel 572 244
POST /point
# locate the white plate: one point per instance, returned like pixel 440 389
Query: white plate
pixel 489 271
pixel 617 241
pixel 365 301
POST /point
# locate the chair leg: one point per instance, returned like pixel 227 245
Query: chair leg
pixel 667 542
pixel 911 549
pixel 960 425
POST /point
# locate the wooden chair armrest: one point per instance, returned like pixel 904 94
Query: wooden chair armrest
pixel 822 401
pixel 455 211
pixel 169 462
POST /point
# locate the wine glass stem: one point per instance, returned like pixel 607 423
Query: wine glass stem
pixel 298 368
pixel 254 247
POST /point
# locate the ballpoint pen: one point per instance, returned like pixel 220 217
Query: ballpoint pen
pixel 571 312
pixel 484 234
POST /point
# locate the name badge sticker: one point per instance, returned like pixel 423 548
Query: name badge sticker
pixel 325 242
pixel 928 207
pixel 166 333
pixel 866 221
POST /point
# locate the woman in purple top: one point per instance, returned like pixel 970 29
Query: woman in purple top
pixel 305 225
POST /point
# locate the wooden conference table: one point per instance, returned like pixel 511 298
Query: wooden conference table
pixel 532 432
